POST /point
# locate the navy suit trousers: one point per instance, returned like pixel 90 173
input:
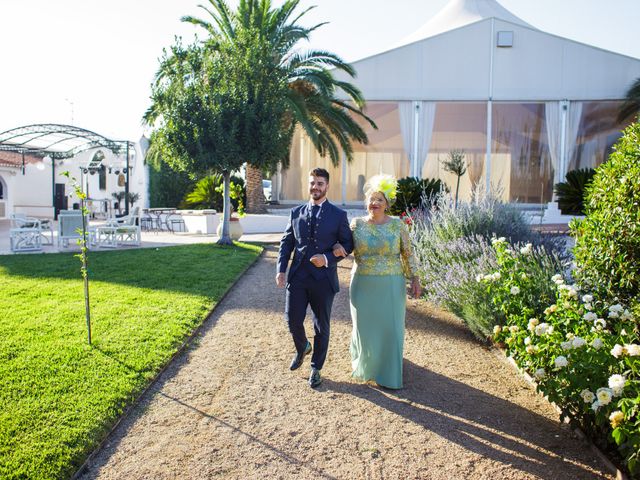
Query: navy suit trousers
pixel 303 290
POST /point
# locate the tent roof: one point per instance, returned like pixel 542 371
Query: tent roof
pixel 458 13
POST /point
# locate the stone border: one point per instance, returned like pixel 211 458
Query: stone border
pixel 498 352
pixel 185 344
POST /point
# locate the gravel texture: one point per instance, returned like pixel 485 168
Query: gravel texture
pixel 229 407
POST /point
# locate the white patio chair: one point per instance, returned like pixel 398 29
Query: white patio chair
pixel 69 226
pixel 25 233
pixel 121 231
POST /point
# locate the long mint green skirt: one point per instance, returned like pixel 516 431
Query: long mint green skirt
pixel 378 306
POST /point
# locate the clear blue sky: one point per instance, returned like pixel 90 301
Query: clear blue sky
pixel 96 59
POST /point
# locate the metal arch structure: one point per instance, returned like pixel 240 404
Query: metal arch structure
pixel 62 142
pixel 57 141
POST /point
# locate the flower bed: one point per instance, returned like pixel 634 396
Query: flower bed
pixel 580 349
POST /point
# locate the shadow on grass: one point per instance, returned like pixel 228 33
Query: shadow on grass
pixel 196 269
pixel 479 422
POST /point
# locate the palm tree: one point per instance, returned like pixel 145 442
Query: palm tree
pixel 631 106
pixel 311 99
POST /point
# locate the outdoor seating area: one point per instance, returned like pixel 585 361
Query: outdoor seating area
pixel 29 233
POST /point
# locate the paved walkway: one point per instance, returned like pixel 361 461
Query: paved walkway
pixel 230 408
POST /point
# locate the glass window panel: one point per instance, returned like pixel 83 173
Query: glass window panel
pixel 520 162
pixel 599 130
pixel 383 154
pixel 458 126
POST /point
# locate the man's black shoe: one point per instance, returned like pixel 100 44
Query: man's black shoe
pixel 315 379
pixel 299 357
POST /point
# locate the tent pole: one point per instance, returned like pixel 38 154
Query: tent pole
pixel 490 110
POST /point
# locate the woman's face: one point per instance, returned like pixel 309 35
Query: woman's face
pixel 376 203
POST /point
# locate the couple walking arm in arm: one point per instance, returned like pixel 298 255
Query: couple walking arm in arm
pixel 319 238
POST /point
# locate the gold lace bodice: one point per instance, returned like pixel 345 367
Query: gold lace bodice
pixel 382 249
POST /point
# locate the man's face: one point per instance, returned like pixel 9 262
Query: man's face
pixel 318 187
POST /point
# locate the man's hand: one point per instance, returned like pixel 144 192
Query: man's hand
pixel 318 260
pixel 339 251
pixel 280 280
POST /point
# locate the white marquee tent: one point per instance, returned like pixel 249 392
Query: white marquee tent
pixel 526 106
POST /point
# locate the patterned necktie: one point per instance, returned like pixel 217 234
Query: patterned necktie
pixel 313 220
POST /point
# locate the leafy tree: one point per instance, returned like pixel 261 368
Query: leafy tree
pixel 310 100
pixel 455 164
pixel 631 106
pixel 167 186
pixel 211 103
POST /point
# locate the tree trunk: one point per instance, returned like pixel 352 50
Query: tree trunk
pixel 225 239
pixel 255 194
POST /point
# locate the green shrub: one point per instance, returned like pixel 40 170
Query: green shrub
pixel 608 239
pixel 414 193
pixel 571 193
pixel 208 193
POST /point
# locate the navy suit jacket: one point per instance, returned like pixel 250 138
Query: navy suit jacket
pixel 332 226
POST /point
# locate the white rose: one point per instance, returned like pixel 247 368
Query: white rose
pixel 595 406
pixel 616 308
pixel 541 329
pixel 515 290
pixel 532 324
pixel 531 349
pixel 527 341
pixel 526 249
pixel 604 395
pixel 588 396
pixel 497 329
pixel 567 345
pixel 561 361
pixel 590 316
pixel 613 314
pixel 632 349
pixel 556 277
pixel 539 373
pixel 600 323
pixel 597 343
pixel 588 306
pixel 616 418
pixel 617 350
pixel 514 328
pixel 616 382
pixel 587 298
pixel 496 276
pixel 626 315
pixel 479 277
pixel 579 342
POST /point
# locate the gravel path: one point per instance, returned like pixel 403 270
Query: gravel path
pixel 230 408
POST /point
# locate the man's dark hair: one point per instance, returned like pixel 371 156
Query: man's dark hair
pixel 319 172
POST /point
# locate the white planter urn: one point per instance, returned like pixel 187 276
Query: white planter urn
pixel 235 229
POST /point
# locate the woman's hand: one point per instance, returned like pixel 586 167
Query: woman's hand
pixel 339 251
pixel 416 289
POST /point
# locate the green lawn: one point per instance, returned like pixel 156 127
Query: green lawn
pixel 58 396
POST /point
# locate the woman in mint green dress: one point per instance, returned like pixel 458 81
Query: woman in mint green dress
pixel 383 262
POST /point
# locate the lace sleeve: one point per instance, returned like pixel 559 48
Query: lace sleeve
pixel 409 261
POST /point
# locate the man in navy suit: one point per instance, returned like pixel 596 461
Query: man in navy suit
pixel 313 229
